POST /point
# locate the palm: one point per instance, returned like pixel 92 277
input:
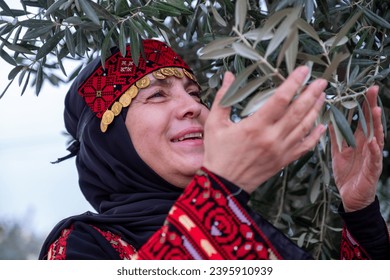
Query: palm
pixel 357 170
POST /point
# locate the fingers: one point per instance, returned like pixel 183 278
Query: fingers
pixel 372 95
pixel 218 111
pixel 294 123
pixel 374 165
pixel 279 102
pixel 310 141
pixel 376 111
pixel 294 119
pixel 303 112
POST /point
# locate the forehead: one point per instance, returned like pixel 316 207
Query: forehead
pixel 170 81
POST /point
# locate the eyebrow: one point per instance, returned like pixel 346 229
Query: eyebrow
pixel 168 82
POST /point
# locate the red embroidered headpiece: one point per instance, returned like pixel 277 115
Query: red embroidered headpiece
pixel 111 88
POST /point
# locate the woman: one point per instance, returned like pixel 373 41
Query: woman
pixel 168 180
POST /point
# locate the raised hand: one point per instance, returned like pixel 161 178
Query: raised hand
pixel 251 151
pixel 357 170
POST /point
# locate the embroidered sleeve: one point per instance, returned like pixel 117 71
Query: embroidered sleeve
pixel 125 250
pixel 207 222
pixel 350 248
pixel 83 241
pixel 365 234
pixel 57 250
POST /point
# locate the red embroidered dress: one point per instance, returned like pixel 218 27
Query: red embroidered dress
pixel 208 221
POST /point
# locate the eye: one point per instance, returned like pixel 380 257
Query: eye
pixel 156 94
pixel 195 94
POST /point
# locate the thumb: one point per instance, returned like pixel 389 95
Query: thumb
pixel 216 108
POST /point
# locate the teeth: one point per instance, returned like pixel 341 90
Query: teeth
pixel 198 135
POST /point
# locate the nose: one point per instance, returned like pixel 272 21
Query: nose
pixel 188 107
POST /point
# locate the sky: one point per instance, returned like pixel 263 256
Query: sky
pixel 33 190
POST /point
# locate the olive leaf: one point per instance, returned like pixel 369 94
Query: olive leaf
pixel 256 102
pixel 122 39
pixel 283 31
pixel 135 44
pixel 54 7
pixel 89 11
pixel 362 120
pixel 14 72
pixel 240 15
pixel 338 58
pixel 238 82
pixel 50 44
pixel 347 26
pixel 376 18
pixel 216 45
pixel 6 9
pixel 233 97
pixel 289 51
pixel 271 22
pixel 70 42
pixel 342 125
pixel 217 54
pixel 246 51
pixel 39 79
pixel 6 57
pixel 315 190
pixel 308 29
pixel 218 18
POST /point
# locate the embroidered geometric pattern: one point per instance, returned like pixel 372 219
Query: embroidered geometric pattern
pixel 205 223
pixel 350 249
pixel 57 250
pixel 124 249
pixel 208 223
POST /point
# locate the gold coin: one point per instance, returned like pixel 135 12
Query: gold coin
pixel 103 127
pixel 143 82
pixel 132 91
pixel 108 117
pixel 125 99
pixel 158 75
pixel 167 71
pixel 116 108
pixel 178 73
pixel 189 75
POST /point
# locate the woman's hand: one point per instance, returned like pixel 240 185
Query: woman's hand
pixel 357 170
pixel 249 152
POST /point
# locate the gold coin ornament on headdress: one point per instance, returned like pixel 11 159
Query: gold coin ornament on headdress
pixel 144 82
pixel 126 98
pixel 133 90
pixel 103 127
pixel 116 108
pixel 178 74
pixel 108 117
pixel 158 75
pixel 167 71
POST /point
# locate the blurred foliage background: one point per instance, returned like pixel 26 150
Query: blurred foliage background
pixel 346 42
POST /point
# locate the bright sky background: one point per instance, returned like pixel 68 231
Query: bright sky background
pixel 31 188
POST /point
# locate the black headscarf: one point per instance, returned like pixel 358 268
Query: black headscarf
pixel 129 197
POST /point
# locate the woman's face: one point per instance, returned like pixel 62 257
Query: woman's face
pixel 165 122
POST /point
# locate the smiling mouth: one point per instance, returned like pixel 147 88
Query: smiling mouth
pixel 189 136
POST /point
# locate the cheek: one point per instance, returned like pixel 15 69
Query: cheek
pixel 146 131
pixel 204 114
